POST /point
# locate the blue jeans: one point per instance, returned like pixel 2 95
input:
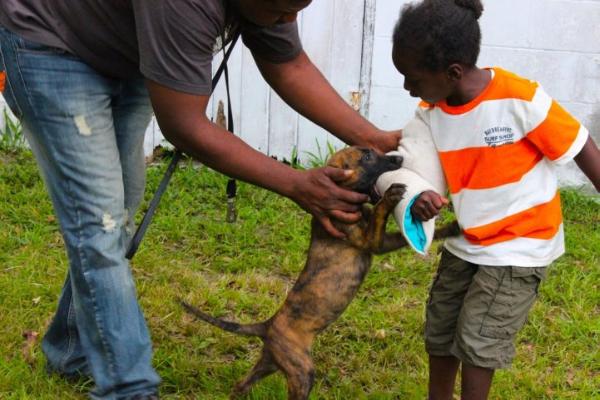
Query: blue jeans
pixel 86 131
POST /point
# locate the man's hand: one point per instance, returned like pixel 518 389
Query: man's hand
pixel 428 205
pixel 316 191
pixel 385 141
pixel 321 104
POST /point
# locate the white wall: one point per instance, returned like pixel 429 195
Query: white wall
pixel 555 42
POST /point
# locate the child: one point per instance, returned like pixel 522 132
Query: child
pixel 498 137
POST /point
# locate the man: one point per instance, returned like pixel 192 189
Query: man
pixel 84 76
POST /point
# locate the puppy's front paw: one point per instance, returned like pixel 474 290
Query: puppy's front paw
pixel 394 194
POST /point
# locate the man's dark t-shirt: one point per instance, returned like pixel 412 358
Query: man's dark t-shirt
pixel 171 42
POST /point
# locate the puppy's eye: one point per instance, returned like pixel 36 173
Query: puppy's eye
pixel 367 156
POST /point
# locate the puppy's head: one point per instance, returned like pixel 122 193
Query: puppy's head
pixel 367 165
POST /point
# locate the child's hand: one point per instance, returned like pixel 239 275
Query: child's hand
pixel 428 205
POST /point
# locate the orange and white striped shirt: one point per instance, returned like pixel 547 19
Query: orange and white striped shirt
pixel 498 154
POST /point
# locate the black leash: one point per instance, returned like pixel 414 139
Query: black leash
pixel 231 185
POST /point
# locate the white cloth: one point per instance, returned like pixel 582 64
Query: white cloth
pixel 421 170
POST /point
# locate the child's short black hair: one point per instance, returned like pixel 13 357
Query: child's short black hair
pixel 443 32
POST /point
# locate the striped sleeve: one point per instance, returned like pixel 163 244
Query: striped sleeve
pixel 558 136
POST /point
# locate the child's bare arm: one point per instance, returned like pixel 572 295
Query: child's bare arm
pixel 588 160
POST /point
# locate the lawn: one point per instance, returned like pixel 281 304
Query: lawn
pixel 243 270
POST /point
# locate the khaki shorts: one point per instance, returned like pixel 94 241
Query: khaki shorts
pixel 475 311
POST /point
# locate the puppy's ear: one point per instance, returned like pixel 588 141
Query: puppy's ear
pixel 336 161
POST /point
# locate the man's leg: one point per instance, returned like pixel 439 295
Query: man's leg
pixel 67 356
pixel 66 112
pixel 61 343
pixel 132 112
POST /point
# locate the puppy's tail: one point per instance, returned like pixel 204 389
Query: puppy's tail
pixel 258 329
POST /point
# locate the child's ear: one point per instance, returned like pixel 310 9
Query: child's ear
pixel 454 72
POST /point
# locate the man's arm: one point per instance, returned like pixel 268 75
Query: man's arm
pixel 588 160
pixel 182 119
pixel 301 85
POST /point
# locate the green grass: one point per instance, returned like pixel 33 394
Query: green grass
pixel 243 271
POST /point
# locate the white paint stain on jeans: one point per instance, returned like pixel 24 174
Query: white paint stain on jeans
pixel 108 223
pixel 82 125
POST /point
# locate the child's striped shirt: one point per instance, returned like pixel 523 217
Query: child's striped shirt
pixel 498 154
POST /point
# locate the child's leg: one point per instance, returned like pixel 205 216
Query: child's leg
pixel 442 375
pixel 476 382
pixel 495 308
pixel 453 279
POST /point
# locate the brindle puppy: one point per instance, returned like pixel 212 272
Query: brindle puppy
pixel 334 270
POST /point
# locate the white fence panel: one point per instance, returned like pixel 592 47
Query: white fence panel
pixel 332 37
pixel 350 42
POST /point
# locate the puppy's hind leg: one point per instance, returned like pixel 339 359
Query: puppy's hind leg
pixel 299 372
pixel 263 368
pixel 300 383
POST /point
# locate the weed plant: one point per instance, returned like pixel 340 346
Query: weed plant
pixel 11 134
